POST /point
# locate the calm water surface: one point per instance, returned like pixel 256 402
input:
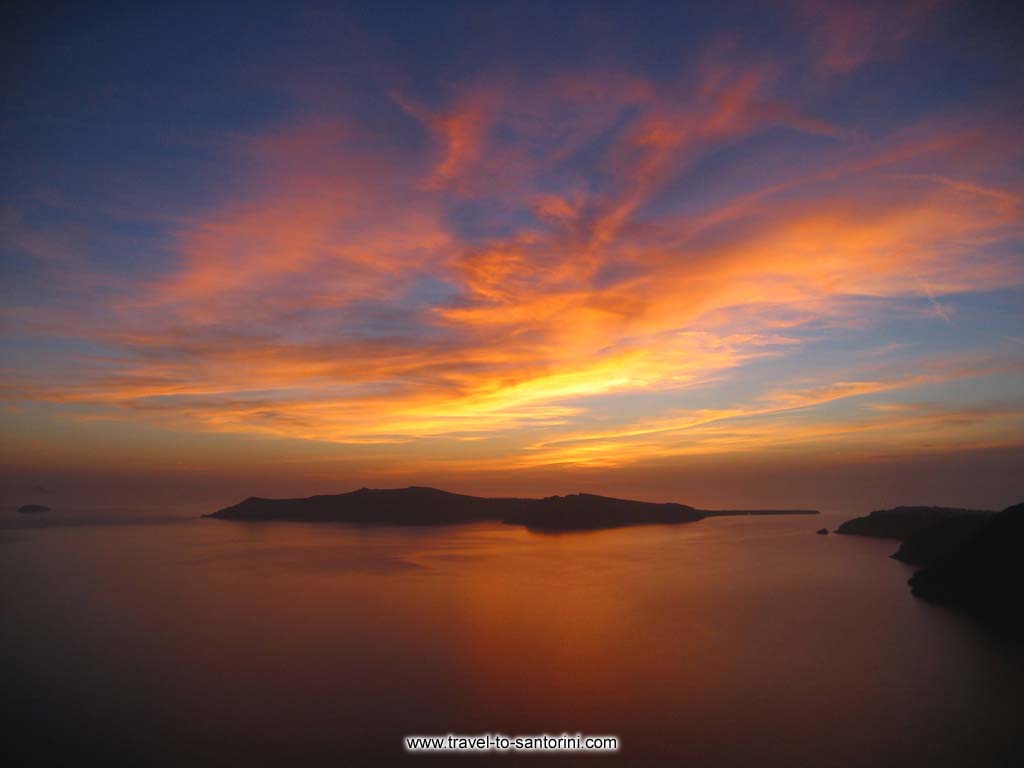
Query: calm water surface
pixel 736 641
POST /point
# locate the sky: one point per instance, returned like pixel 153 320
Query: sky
pixel 715 253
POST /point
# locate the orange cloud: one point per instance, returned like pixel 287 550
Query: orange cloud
pixel 341 295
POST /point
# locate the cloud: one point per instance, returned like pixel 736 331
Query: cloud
pixel 845 35
pixel 552 245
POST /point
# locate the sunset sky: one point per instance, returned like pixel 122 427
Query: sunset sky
pixel 716 253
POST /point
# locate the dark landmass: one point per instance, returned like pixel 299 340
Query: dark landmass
pixel 731 512
pixel 971 559
pixel 983 575
pixel 822 531
pixel 32 508
pixel 398 506
pixel 430 506
pixel 582 511
pixel 939 539
pixel 902 522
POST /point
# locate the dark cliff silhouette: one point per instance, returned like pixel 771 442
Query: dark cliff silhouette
pixel 931 544
pixel 983 575
pixel 430 506
pixel 971 559
pixel 903 522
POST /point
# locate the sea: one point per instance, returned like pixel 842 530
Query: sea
pixel 156 637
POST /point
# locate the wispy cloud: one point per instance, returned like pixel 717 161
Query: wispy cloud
pixel 540 246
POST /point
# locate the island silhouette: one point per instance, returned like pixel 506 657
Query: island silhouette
pixel 29 509
pixel 417 505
